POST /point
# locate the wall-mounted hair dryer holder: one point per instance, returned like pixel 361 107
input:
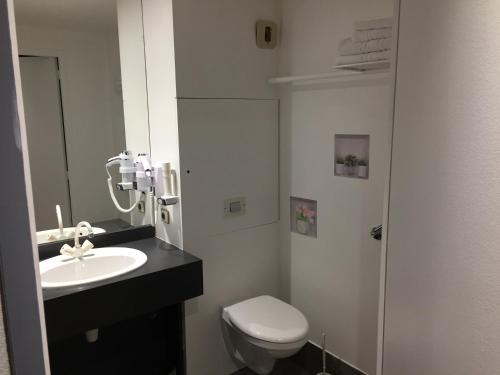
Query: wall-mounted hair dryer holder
pixel 124 186
pixel 142 176
pixel 164 185
pixel 167 200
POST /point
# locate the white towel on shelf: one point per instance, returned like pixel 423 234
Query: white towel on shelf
pixel 348 47
pixel 363 58
pixel 380 23
pixel 367 35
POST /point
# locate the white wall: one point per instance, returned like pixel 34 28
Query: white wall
pixel 443 280
pixel 236 266
pixel 230 147
pixel 93 111
pixel 161 84
pixel 217 59
pixel 216 54
pixel 333 279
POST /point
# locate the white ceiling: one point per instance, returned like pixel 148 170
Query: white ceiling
pixel 72 14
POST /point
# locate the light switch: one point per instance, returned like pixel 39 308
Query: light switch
pixel 234 206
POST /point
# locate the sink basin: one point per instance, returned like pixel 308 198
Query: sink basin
pixel 51 235
pixel 97 264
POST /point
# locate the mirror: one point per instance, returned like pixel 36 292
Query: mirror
pixel 85 100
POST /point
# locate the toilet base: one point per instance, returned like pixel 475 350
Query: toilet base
pixel 253 357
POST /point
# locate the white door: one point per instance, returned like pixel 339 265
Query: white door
pixel 46 147
pixel 443 257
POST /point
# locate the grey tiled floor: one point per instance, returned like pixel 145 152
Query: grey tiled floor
pixel 307 362
pixel 283 367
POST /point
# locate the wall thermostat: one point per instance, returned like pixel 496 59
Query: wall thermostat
pixel 266 34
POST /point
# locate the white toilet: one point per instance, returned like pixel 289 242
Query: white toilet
pixel 262 329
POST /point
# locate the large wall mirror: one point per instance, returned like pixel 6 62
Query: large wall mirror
pixel 84 90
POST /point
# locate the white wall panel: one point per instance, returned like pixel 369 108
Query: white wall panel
pixel 236 266
pixel 229 148
pixel 216 53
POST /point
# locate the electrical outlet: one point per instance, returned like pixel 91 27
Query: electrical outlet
pixel 165 215
pixel 141 206
pixel 266 33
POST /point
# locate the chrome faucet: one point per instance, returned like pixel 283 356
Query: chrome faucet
pixel 78 250
pixel 77 232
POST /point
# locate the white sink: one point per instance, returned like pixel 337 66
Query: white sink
pixel 51 235
pixel 98 264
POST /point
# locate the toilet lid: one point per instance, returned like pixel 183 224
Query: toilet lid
pixel 269 319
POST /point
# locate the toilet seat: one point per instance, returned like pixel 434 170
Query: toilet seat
pixel 266 319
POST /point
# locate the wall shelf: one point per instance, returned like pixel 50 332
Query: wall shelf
pixel 342 73
pixel 366 66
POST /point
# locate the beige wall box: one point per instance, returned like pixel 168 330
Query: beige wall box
pixel 266 34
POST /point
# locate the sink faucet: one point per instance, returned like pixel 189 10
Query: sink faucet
pixel 78 250
pixel 77 232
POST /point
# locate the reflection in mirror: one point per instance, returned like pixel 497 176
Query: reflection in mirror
pixel 84 91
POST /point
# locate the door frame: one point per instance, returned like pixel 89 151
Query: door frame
pixel 22 299
pixel 387 196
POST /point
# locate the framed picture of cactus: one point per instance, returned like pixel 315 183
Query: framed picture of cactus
pixel 304 216
pixel 352 153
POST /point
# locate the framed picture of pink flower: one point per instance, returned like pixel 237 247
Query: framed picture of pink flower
pixel 304 216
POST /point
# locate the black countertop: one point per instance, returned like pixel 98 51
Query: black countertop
pixel 169 276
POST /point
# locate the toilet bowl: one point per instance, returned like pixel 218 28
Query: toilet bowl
pixel 262 329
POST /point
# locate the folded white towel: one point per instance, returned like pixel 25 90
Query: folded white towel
pixel 348 47
pixel 364 57
pixel 380 23
pixel 366 35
